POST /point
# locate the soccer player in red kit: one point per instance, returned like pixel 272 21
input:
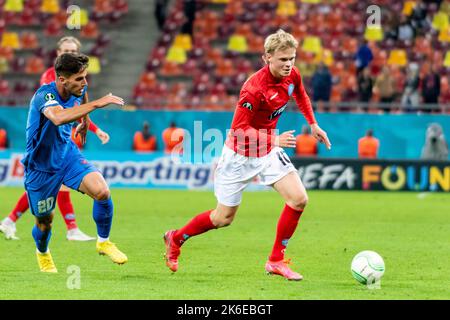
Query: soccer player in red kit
pixel 7 225
pixel 254 149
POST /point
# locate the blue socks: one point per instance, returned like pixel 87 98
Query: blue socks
pixel 41 238
pixel 103 213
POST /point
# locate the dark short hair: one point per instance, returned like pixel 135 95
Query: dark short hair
pixel 68 64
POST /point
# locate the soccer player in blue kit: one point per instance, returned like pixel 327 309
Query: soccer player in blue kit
pixel 52 158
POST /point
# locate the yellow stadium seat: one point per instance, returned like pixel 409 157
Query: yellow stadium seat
pixel 237 43
pixel 94 65
pixel 10 40
pixel 220 1
pixel 408 7
pixel 286 8
pixel 13 5
pixel 50 6
pixel 312 44
pixel 447 60
pixel 78 19
pixel 183 41
pixel 440 21
pixel 444 35
pixel 398 57
pixel 373 33
pixel 177 55
pixel 3 65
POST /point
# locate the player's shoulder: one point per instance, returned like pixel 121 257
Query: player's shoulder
pixel 47 91
pixel 45 96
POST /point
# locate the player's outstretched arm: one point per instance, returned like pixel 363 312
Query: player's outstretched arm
pixel 59 116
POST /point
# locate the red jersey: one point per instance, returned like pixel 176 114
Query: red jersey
pixel 262 100
pixel 49 76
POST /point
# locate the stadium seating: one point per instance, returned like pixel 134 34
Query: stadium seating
pixel 228 32
pixel 25 23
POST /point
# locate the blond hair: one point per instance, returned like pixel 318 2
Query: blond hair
pixel 280 40
pixel 69 39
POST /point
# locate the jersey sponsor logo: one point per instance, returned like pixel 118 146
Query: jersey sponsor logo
pixel 277 112
pixel 291 89
pixel 247 105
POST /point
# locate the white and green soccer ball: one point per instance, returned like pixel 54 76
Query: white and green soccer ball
pixel 367 267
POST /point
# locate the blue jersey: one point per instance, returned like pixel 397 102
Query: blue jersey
pixel 48 146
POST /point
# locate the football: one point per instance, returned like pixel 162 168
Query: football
pixel 367 267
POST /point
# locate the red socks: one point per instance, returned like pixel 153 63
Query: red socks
pixel 197 225
pixel 20 208
pixel 66 208
pixel 285 229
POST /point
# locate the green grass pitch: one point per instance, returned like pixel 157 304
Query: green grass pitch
pixel 409 230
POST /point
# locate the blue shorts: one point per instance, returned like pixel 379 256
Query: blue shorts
pixel 43 187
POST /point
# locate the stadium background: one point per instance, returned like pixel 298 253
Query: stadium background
pixel 191 70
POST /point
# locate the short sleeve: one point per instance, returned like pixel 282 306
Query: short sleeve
pixel 44 99
pixel 248 101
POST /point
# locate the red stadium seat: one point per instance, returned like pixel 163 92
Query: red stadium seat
pixel 29 40
pixel 90 31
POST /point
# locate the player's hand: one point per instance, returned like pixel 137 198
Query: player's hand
pixel 109 99
pixel 81 130
pixel 320 135
pixel 286 140
pixel 102 135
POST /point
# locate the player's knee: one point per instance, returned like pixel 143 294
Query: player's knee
pixel 102 194
pixel 299 202
pixel 44 225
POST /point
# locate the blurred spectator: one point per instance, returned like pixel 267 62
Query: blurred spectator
pixel 435 148
pixel 431 86
pixel 365 85
pixel 410 98
pixel 173 139
pixel 64 45
pixel 161 12
pixel 368 146
pixel 321 83
pixel 390 24
pixel 189 11
pixel 306 145
pixel 144 141
pixel 419 17
pixel 4 144
pixel 77 139
pixel 405 30
pixel 363 57
pixel 385 87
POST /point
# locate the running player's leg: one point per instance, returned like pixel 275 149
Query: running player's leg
pixel 220 217
pixel 283 177
pixel 68 213
pixel 229 183
pixel 94 185
pixel 293 192
pixel 8 224
pixel 42 189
